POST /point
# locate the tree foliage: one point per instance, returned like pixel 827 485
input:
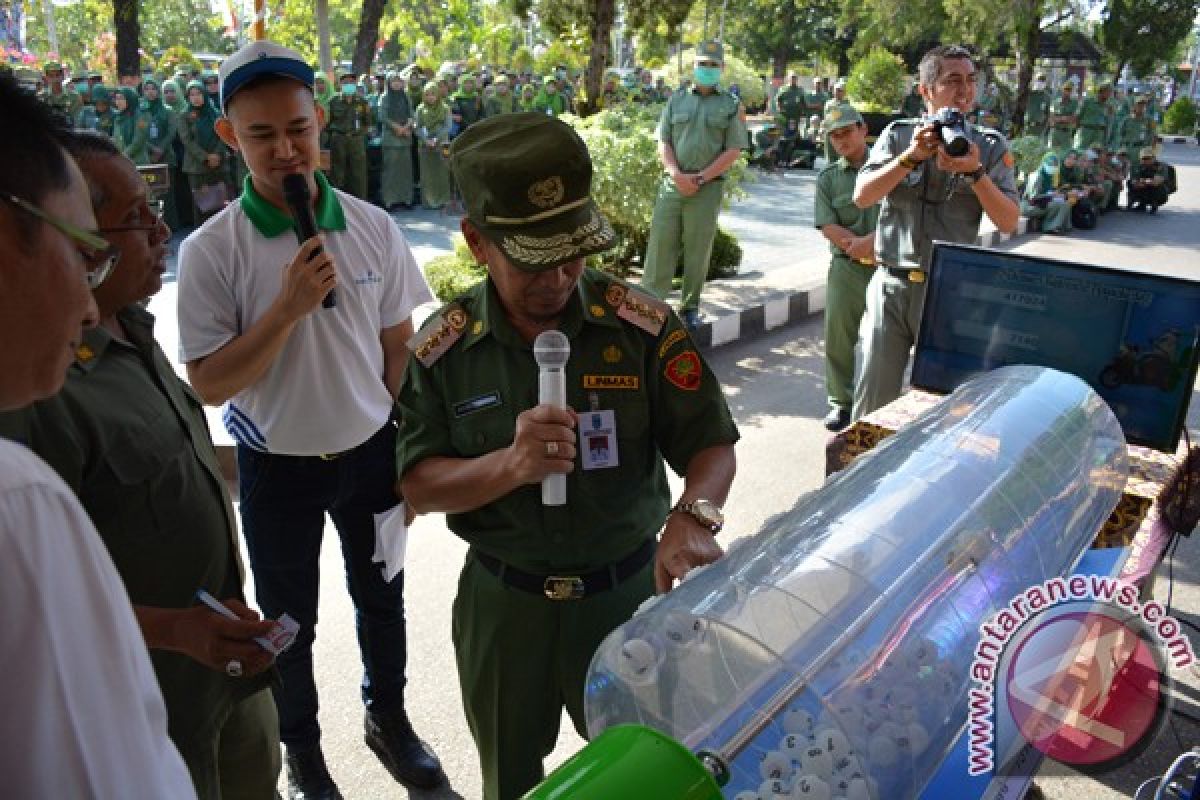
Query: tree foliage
pixel 876 82
pixel 781 31
pixel 1138 33
pixel 751 88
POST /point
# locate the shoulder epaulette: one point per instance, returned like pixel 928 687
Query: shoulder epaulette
pixel 439 334
pixel 637 307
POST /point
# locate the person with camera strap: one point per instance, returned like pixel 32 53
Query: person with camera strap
pixel 936 177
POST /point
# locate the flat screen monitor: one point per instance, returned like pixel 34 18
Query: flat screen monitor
pixel 1131 335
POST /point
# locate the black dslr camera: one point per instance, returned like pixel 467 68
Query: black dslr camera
pixel 951 125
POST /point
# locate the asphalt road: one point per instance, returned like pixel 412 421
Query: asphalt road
pixel 774 386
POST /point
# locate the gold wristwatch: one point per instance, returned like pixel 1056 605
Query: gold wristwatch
pixel 706 512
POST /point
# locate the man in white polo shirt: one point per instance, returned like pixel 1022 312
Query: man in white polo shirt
pixel 309 392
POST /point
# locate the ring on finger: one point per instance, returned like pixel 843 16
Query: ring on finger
pixel 233 668
pixel 551 449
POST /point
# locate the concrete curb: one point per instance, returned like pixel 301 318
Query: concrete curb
pixel 789 308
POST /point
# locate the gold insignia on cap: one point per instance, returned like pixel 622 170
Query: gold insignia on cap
pixel 547 193
pixel 615 294
pixel 611 354
pixel 597 310
pixel 477 328
pixel 84 354
pixel 710 47
pixel 457 318
pixel 835 115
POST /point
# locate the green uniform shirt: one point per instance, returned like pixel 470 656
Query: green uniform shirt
pixel 835 203
pixel 700 127
pixel 790 103
pixel 1093 113
pixel 667 405
pixel 930 204
pixel 66 102
pixel 134 143
pixel 816 102
pixel 1037 106
pixel 131 441
pixel 1136 132
pixel 349 115
pixel 1064 107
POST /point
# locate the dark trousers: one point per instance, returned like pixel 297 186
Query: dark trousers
pixel 284 500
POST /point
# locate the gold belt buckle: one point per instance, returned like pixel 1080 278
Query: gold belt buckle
pixel 916 276
pixel 330 456
pixel 568 587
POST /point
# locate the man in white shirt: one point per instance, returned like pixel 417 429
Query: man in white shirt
pixel 82 713
pixel 309 392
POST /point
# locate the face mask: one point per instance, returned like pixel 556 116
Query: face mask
pixel 707 76
pixel 349 89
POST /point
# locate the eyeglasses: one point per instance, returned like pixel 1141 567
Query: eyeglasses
pixel 148 220
pixel 99 254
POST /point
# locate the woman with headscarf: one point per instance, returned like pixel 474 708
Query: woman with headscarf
pixel 204 154
pixel 395 117
pixel 99 115
pixel 549 100
pixel 323 91
pixel 432 120
pixel 131 127
pixel 1043 200
pixel 528 95
pixel 172 96
pixel 162 140
pixel 467 106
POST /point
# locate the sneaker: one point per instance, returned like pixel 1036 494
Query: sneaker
pixel 691 318
pixel 307 776
pixel 837 419
pixel 407 758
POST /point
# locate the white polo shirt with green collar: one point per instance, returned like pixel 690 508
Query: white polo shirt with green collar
pixel 324 393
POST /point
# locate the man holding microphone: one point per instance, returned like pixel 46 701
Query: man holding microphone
pixel 926 194
pixel 544 583
pixel 309 385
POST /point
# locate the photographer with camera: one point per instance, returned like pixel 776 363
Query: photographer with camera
pixel 936 177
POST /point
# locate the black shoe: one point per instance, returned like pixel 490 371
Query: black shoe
pixel 837 419
pixel 307 776
pixel 407 758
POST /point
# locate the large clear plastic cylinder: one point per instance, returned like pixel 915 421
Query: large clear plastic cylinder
pixel 834 646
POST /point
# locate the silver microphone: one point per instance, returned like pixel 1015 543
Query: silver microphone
pixel 551 350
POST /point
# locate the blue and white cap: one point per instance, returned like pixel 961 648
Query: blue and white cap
pixel 257 59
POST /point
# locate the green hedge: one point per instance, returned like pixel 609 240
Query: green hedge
pixel 1180 117
pixel 625 181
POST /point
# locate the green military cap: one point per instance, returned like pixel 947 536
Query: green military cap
pixel 1124 151
pixel 842 116
pixel 100 93
pixel 549 79
pixel 711 51
pixel 1141 101
pixel 526 179
pixel 52 66
pixel 1146 152
pixel 95 73
pixel 501 79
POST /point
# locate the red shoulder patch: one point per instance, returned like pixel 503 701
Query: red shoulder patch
pixel 684 371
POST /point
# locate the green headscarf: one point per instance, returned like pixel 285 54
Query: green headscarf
pixel 435 114
pixel 100 94
pixel 205 116
pixel 156 108
pixel 462 92
pixel 125 121
pixel 394 104
pixel 324 96
pixel 180 104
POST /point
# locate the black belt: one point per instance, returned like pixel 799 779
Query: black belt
pixel 570 587
pixel 907 275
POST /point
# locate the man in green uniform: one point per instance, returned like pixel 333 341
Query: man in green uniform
pixel 851 234
pixel 816 99
pixel 1064 116
pixel 790 105
pixel 1137 130
pixel 130 439
pixel 1148 183
pixel 544 584
pixel 62 99
pixel 349 124
pixel 700 134
pixel 836 101
pixel 926 195
pixel 1095 119
pixel 1037 108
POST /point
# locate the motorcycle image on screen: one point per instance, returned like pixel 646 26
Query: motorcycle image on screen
pixel 1160 366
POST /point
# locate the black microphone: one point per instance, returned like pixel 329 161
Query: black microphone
pixel 296 195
